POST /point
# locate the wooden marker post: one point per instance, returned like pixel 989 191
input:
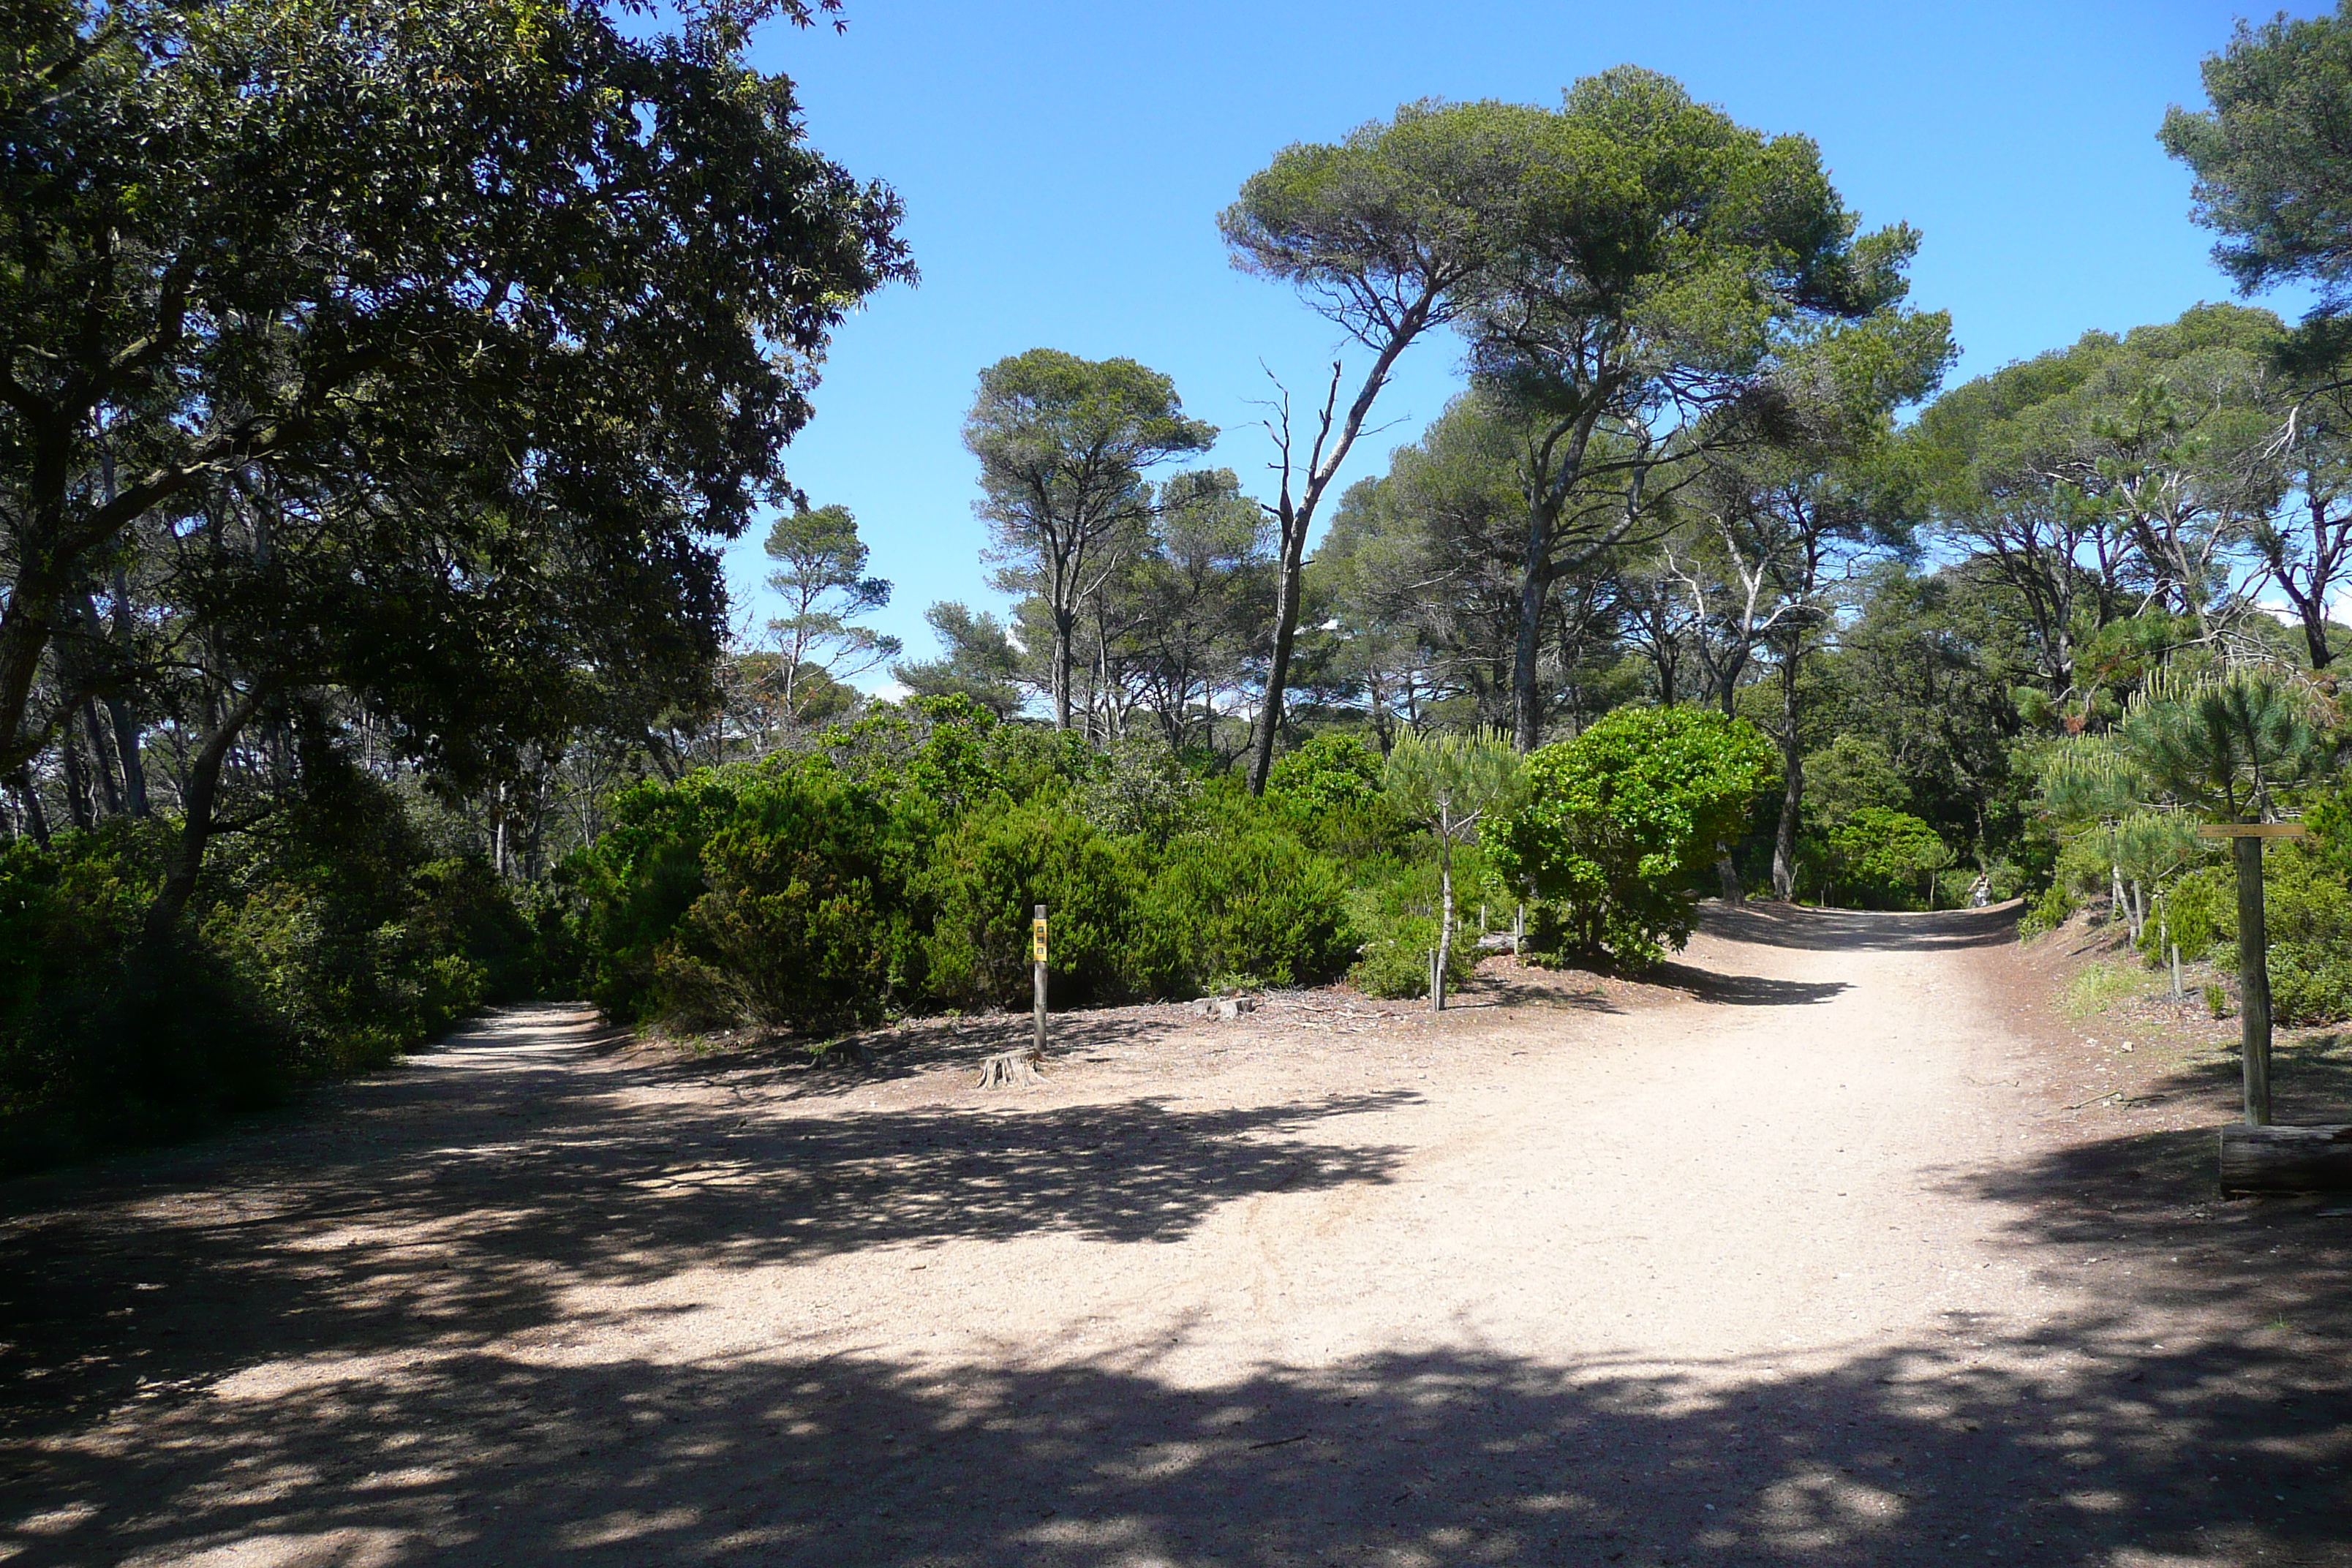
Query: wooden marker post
pixel 1038 971
pixel 2254 955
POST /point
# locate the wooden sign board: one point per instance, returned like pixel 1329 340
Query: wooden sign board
pixel 1037 939
pixel 2251 830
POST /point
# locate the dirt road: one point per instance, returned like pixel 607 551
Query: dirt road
pixel 1802 1259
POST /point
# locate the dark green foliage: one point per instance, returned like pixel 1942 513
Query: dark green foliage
pixel 1397 920
pixel 1620 823
pixel 984 880
pixel 2272 174
pixel 802 918
pixel 2047 912
pixel 900 866
pixel 1330 790
pixel 1330 773
pixel 1245 903
pixel 1877 858
pixel 332 938
pixel 2308 908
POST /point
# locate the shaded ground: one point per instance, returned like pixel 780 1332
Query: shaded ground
pixel 1819 1252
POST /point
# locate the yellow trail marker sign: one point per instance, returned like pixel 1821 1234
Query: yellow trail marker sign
pixel 1037 939
pixel 2251 830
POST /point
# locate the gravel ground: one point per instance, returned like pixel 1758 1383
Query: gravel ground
pixel 1835 1244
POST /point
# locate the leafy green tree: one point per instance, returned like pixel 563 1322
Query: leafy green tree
pixel 2231 746
pixel 2095 479
pixel 1451 785
pixel 1621 821
pixel 1062 443
pixel 1875 852
pixel 1668 273
pixel 821 576
pixel 1380 232
pixel 2274 174
pixel 419 354
pixel 980 661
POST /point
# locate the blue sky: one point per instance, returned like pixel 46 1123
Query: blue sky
pixel 1062 165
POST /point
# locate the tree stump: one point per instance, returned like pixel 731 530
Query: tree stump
pixel 2286 1159
pixel 1008 1069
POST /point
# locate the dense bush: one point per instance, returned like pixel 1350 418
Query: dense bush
pixel 898 865
pixel 803 914
pixel 1248 904
pixel 1621 822
pixel 985 879
pixel 2307 907
pixel 328 938
pixel 1396 921
pixel 1875 858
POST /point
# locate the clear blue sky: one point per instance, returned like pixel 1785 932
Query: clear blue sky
pixel 1062 165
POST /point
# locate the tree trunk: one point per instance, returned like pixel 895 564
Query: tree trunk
pixel 1444 921
pixel 103 769
pixel 1535 590
pixel 2253 980
pixel 127 742
pixel 1728 874
pixel 78 792
pixel 2315 636
pixel 1062 627
pixel 37 821
pixel 1793 793
pixel 1277 675
pixel 187 858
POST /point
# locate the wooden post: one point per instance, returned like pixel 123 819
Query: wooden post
pixel 1037 971
pixel 1519 930
pixel 2175 971
pixel 1436 982
pixel 2254 955
pixel 2253 981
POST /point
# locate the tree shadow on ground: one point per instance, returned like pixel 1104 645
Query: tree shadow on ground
pixel 1920 1458
pixel 799 1066
pixel 1745 990
pixel 441 1211
pixel 1861 930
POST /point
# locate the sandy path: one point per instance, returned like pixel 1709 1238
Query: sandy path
pixel 1779 1273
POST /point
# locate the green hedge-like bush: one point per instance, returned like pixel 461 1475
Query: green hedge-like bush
pixel 1248 904
pixel 802 917
pixel 985 879
pixel 1623 822
pixel 2308 906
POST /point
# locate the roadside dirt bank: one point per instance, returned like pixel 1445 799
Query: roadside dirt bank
pixel 1811 1255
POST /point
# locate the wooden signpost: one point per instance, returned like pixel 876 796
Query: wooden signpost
pixel 2253 962
pixel 1007 1067
pixel 2258 1157
pixel 1037 971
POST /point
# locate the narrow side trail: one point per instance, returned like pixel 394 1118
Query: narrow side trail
pixel 1792 1268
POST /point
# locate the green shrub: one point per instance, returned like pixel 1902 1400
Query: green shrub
pixel 802 917
pixel 1397 922
pixel 1877 857
pixel 2047 912
pixel 1245 903
pixel 2307 908
pixel 1330 773
pixel 984 880
pixel 328 938
pixel 1621 822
